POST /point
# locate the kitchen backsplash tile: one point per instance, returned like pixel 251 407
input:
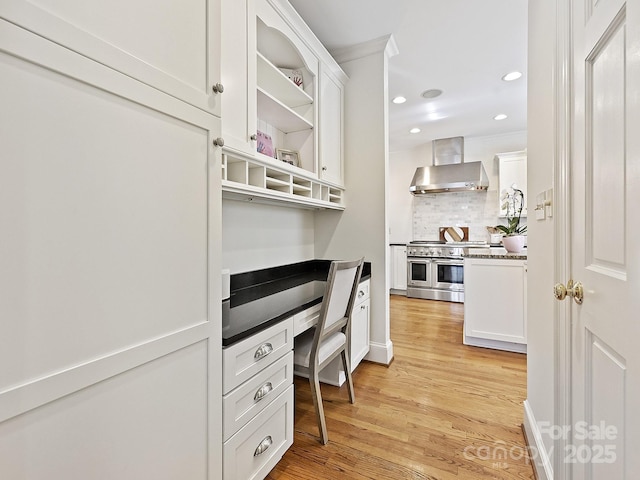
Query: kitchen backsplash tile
pixel 475 210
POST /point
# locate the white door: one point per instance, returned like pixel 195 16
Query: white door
pixel 605 255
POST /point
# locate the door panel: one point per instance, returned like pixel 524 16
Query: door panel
pixel 605 151
pixel 605 357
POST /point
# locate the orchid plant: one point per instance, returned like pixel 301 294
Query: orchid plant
pixel 513 203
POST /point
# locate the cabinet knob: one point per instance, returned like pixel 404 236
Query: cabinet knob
pixel 218 88
pixel 218 142
pixel 254 137
pixel 324 169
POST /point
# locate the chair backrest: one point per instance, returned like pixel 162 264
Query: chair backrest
pixel 337 302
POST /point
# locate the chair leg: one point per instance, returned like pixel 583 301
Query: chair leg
pixel 347 371
pixel 314 383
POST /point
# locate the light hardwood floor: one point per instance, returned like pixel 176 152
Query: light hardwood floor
pixel 441 410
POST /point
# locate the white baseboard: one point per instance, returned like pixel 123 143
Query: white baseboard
pixel 380 352
pixel 541 461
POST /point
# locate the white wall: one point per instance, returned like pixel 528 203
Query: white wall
pixel 362 228
pixel 418 218
pixel 541 153
pixel 256 236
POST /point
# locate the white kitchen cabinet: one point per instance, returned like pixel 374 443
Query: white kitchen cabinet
pixel 331 128
pixel 113 262
pixel 264 41
pixel 175 50
pixel 360 325
pixel 512 167
pixel 495 303
pixel 238 65
pixel 398 269
pixel 258 401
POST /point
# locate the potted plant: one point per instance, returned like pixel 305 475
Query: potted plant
pixel 513 203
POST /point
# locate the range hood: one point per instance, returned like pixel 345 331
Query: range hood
pixel 449 172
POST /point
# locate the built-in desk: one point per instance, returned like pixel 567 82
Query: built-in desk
pixel 266 310
pixel 262 298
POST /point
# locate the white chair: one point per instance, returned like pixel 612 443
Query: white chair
pixel 316 347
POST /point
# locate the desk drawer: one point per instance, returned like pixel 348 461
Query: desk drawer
pixel 244 359
pixel 259 445
pixel 306 319
pixel 246 401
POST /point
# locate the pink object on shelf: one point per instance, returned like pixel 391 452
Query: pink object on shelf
pixel 265 144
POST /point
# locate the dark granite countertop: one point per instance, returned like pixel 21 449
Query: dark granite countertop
pixel 262 298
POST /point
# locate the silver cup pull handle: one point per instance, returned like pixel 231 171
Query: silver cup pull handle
pixel 263 391
pixel 263 446
pixel 262 351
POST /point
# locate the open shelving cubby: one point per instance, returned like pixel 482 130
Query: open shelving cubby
pixel 254 178
pixel 286 111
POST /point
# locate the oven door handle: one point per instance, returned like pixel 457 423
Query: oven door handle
pixel 449 262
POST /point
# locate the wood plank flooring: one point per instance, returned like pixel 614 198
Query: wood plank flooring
pixel 441 410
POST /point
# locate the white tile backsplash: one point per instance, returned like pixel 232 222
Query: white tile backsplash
pixel 475 210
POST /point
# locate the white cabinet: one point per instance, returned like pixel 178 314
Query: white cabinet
pixel 360 325
pixel 238 75
pixel 281 83
pixel 513 170
pixel 258 401
pixel 495 303
pixel 110 186
pixel 398 271
pixel 331 128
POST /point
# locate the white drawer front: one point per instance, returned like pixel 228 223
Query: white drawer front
pixel 246 401
pixel 306 319
pixel 271 432
pixel 363 292
pixel 244 359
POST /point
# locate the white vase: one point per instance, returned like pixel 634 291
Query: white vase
pixel 513 243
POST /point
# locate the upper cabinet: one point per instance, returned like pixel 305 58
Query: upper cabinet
pixel 331 99
pixel 173 48
pixel 282 107
pixel 513 170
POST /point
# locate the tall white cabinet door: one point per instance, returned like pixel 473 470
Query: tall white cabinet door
pixel 171 46
pixel 331 128
pixel 111 339
pixel 238 60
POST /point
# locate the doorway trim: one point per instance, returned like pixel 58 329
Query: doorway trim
pixel 563 106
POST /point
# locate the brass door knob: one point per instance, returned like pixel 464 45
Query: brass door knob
pixel 572 289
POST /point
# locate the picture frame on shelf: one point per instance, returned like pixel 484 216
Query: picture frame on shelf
pixel 288 156
pixel 265 144
pixel 294 75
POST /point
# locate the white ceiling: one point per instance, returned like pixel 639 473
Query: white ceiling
pixel 462 47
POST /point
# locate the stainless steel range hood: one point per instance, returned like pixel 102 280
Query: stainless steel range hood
pixel 449 172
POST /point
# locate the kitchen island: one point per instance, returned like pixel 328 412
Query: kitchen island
pixel 495 306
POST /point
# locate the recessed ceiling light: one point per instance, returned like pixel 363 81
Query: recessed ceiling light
pixel 500 116
pixel 399 100
pixel 433 93
pixel 511 76
pixel 414 130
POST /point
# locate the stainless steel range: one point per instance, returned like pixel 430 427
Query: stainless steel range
pixel 435 269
